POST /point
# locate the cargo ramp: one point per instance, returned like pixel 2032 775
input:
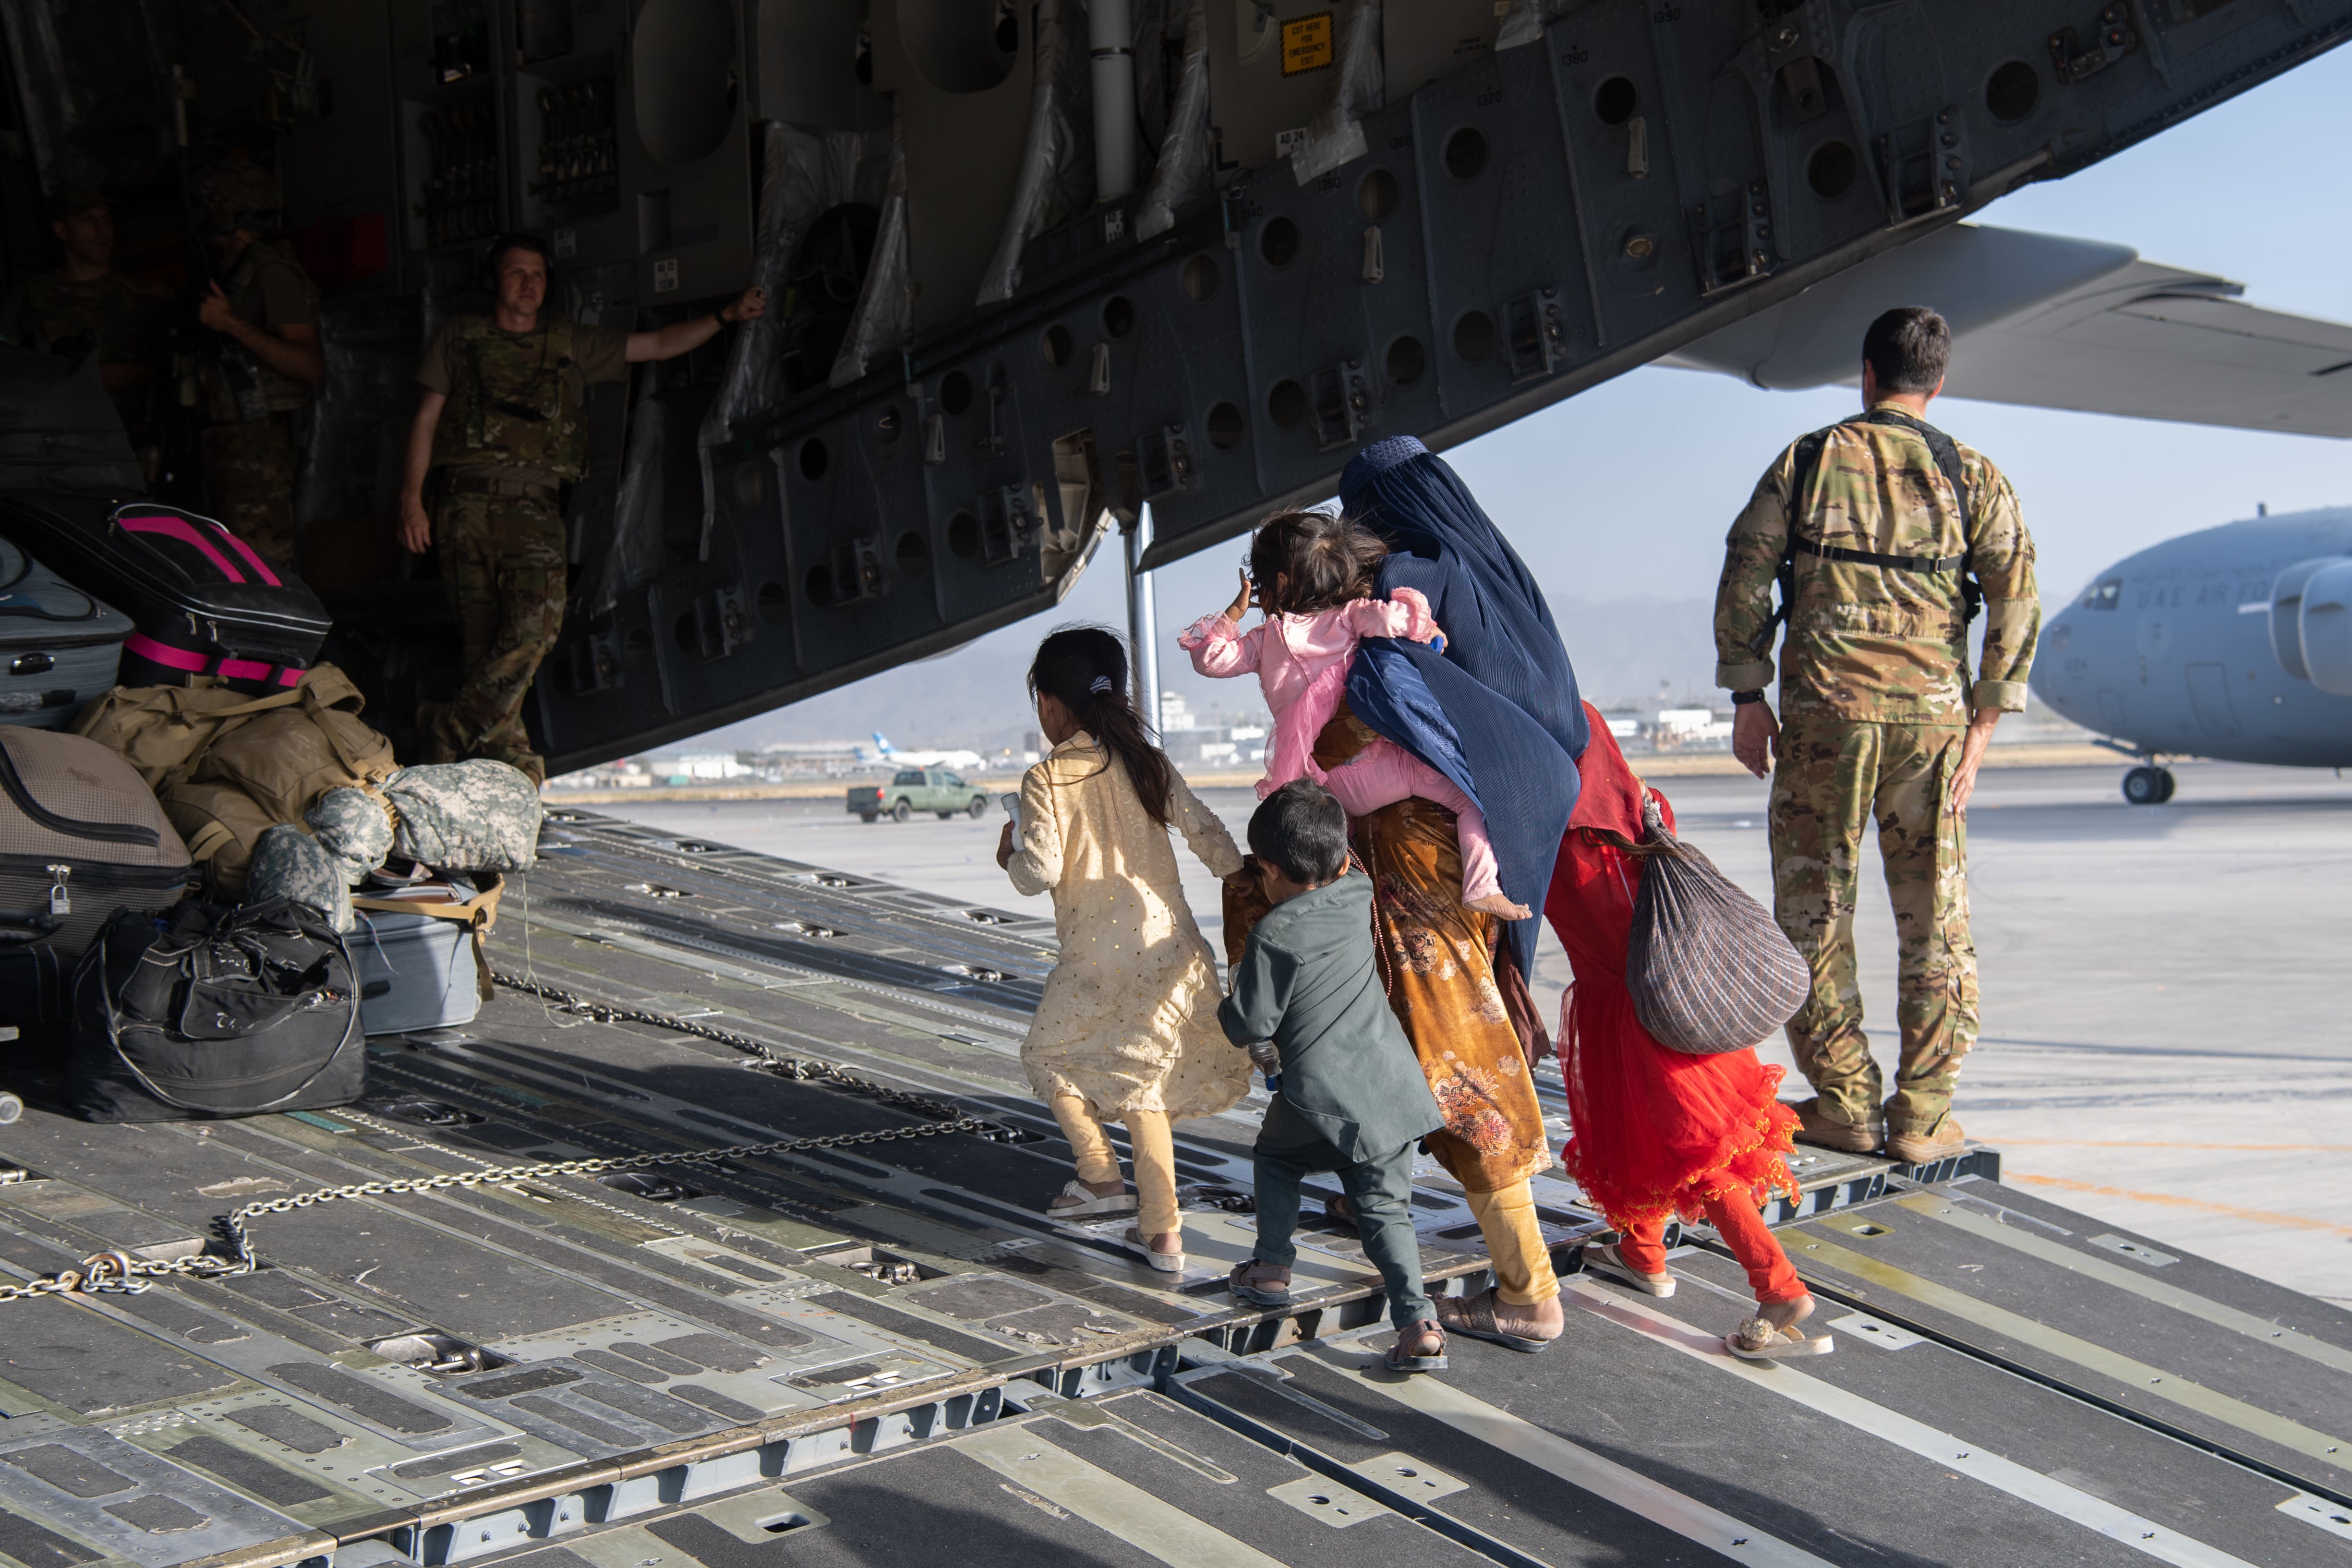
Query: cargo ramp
pixel 716 1241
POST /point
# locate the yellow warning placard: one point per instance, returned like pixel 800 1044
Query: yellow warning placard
pixel 1307 44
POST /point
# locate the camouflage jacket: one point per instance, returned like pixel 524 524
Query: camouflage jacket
pixel 114 311
pixel 1880 644
pixel 514 399
pixel 266 283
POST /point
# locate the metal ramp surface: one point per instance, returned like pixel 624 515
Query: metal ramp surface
pixel 834 1353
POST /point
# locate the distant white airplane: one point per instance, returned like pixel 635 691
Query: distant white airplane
pixel 885 751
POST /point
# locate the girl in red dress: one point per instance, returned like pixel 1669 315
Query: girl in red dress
pixel 1658 1132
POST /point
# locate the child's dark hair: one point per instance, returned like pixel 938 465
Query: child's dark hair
pixel 1086 666
pixel 1323 561
pixel 1301 830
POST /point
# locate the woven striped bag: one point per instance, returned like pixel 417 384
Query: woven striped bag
pixel 1708 968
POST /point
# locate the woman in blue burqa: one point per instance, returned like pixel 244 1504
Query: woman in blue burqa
pixel 1498 712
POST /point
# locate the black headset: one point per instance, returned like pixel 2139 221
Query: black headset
pixel 487 267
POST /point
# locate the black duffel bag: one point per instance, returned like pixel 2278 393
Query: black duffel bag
pixel 1709 969
pixel 206 1011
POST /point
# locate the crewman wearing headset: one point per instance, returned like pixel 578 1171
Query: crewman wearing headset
pixel 512 384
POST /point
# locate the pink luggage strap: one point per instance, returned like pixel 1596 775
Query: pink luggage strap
pixel 195 663
pixel 185 530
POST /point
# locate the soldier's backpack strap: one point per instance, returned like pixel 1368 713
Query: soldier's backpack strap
pixel 1947 454
pixel 1808 458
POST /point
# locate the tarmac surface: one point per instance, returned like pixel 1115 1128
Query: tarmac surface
pixel 2164 1043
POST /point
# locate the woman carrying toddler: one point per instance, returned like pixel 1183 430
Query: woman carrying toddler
pixel 1127 1030
pixel 1312 575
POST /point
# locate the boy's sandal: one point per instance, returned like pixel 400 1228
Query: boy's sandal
pixel 1135 1241
pixel 1416 1333
pixel 1076 1202
pixel 1259 1284
pixel 1474 1316
pixel 1758 1339
pixel 1602 1258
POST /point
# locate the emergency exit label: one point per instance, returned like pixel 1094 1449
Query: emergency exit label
pixel 1307 44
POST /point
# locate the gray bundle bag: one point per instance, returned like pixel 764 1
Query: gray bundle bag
pixel 474 815
pixel 1709 969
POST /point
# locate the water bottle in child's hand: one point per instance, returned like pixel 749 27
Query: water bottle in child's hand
pixel 1264 1056
pixel 1012 803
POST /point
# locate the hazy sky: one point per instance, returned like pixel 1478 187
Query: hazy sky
pixel 1625 492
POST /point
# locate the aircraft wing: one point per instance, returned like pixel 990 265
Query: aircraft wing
pixel 2061 323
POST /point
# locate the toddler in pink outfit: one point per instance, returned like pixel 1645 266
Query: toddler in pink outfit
pixel 1313 579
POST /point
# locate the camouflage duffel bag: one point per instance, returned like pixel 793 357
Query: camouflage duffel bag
pixel 1708 968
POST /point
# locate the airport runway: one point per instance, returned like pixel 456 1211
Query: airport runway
pixel 2164 1041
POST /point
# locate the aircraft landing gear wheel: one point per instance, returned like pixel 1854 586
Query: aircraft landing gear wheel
pixel 2171 784
pixel 902 812
pixel 2147 786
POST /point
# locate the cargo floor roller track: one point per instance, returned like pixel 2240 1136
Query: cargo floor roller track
pixel 882 1353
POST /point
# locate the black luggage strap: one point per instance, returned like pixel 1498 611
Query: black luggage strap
pixel 1947 454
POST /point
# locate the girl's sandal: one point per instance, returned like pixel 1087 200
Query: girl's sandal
pixel 1604 1259
pixel 1135 1241
pixel 1075 1201
pixel 1759 1339
pixel 1416 1335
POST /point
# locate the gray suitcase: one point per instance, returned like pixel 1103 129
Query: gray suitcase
pixel 58 647
pixel 415 972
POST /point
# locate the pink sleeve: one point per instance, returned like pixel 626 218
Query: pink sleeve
pixel 1299 726
pixel 1220 649
pixel 1403 615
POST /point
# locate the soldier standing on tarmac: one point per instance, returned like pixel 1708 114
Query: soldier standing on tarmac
pixel 265 364
pixel 511 385
pixel 87 298
pixel 1885 535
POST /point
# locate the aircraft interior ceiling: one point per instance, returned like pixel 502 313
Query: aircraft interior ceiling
pixel 1036 269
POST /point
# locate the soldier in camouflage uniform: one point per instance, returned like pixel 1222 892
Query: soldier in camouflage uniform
pixel 85 301
pixel 500 420
pixel 264 366
pixel 1884 556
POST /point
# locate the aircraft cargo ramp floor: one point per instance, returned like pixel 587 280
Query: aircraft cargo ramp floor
pixel 876 1350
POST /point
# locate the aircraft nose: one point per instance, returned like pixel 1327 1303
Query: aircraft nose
pixel 2055 680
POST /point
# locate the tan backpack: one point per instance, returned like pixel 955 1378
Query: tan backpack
pixel 221 825
pixel 226 766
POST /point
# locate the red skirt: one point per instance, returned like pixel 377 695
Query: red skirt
pixel 1656 1132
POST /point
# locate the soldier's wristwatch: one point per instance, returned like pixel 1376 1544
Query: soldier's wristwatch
pixel 1741 698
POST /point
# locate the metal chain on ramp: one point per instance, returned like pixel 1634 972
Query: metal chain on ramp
pixel 118 1272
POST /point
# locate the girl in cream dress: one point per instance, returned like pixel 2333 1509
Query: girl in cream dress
pixel 1127 1030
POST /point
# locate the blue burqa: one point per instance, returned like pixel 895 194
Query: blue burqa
pixel 1498 712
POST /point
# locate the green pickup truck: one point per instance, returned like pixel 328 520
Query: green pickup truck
pixel 914 790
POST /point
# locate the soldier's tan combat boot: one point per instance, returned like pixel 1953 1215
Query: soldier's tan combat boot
pixel 1817 1127
pixel 1945 1139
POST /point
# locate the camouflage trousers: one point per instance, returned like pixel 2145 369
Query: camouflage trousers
pixel 502 565
pixel 1834 778
pixel 250 482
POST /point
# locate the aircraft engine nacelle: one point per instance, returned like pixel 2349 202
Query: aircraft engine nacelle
pixel 2323 628
pixel 2286 613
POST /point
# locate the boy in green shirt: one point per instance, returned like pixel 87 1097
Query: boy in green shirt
pixel 1306 1001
